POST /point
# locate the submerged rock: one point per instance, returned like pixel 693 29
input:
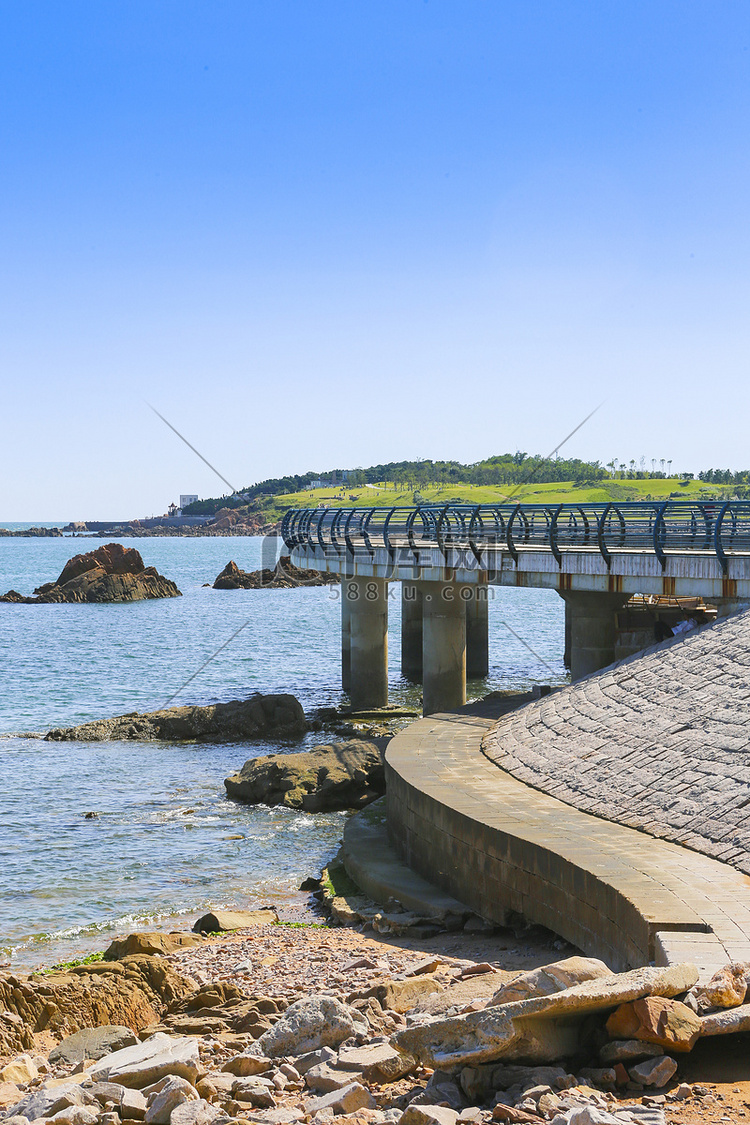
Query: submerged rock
pixel 344 775
pixel 112 573
pixel 284 576
pixel 261 716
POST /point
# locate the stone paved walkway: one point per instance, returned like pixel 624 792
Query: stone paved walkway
pixel 500 845
pixel 659 742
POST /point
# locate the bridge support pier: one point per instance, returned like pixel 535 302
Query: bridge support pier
pixel 477 633
pixel 443 647
pixel 367 601
pixel 411 632
pixel 346 639
pixel 725 606
pixel 591 630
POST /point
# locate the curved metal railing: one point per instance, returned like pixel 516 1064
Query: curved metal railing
pixel 718 527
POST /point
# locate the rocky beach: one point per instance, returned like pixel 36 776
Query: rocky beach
pixel 280 1023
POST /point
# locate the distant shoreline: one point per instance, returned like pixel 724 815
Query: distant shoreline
pixel 206 531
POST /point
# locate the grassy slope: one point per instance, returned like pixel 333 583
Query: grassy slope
pixel 560 493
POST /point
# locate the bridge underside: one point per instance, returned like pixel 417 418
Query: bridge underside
pixel 444 606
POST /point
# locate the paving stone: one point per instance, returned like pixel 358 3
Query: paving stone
pixel 552 862
pixel 686 726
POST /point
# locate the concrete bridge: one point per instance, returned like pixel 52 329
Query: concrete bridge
pixel 596 556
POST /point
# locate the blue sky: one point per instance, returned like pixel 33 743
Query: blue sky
pixel 334 233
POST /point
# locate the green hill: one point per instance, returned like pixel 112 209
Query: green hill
pixel 506 478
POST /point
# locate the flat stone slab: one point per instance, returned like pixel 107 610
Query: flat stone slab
pixel 223 921
pixel 147 1062
pixel 541 1029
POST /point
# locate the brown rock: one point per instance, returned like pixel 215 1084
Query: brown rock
pixel 248 1064
pixel 222 921
pixel 261 716
pixel 131 993
pixel 726 989
pixel 9 1094
pixel 149 944
pixel 344 775
pixel 112 573
pixel 283 577
pixel 20 1071
pixel 654 1019
pixel 400 995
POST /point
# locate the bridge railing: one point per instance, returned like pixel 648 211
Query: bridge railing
pixel 718 527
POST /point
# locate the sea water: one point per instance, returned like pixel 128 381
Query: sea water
pixel 164 840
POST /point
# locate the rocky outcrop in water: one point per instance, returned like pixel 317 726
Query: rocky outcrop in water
pixel 344 775
pixel 261 716
pixel 112 573
pixel 31 533
pixel 284 577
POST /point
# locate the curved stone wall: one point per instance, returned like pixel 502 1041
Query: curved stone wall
pixel 505 848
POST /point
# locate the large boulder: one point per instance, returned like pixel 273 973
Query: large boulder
pixel 285 576
pixel 343 775
pixel 310 1023
pixel 261 716
pixel 112 573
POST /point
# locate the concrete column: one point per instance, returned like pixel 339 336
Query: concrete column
pixel 367 600
pixel 592 627
pixel 566 651
pixel 477 633
pixel 411 632
pixel 346 638
pixel 443 647
pixel 726 606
